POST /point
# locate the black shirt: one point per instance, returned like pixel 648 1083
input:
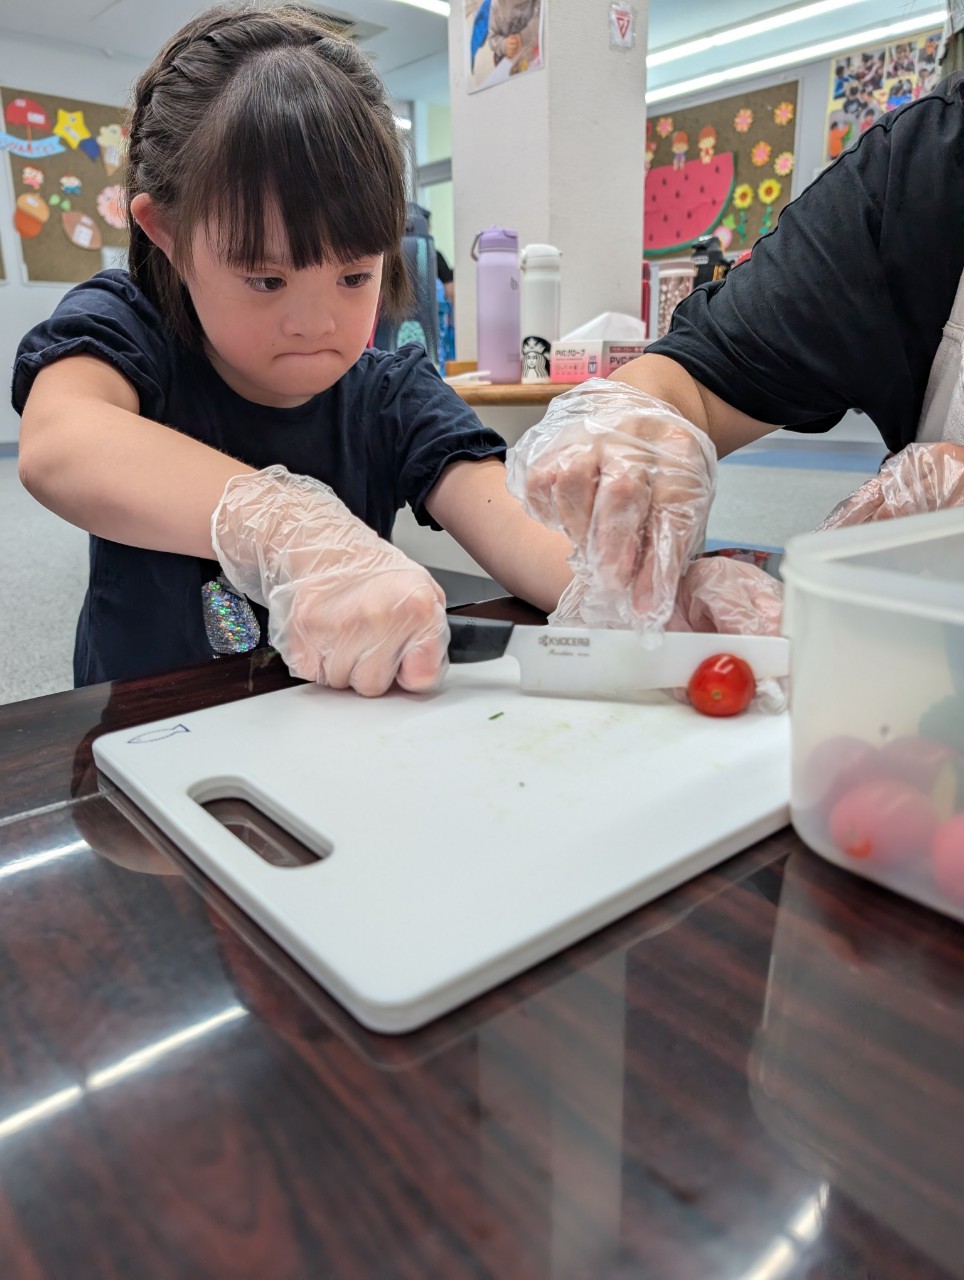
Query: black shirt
pixel 380 437
pixel 842 305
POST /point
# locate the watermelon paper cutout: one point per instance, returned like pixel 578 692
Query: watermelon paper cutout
pixel 683 204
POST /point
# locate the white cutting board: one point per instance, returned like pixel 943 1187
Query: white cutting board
pixel 464 849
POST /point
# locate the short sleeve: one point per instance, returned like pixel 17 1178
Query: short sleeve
pixel 842 305
pixel 108 317
pixel 430 425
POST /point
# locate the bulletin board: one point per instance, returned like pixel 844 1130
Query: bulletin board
pixel 724 168
pixel 866 83
pixel 68 162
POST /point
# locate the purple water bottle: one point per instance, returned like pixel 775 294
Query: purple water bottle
pixel 496 250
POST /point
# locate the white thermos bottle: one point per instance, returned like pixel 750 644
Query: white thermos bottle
pixel 541 285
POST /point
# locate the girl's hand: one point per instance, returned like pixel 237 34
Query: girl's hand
pixel 922 477
pixel 345 607
pixel 630 482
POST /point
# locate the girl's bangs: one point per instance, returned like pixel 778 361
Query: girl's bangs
pixel 289 154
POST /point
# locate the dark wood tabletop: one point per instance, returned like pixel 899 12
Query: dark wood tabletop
pixel 759 1076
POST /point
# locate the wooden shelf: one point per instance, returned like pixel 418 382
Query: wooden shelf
pixel 511 393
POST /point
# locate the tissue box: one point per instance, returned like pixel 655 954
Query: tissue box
pixel 574 361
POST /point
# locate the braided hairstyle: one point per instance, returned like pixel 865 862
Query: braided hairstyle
pixel 252 111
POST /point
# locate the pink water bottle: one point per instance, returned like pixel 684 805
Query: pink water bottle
pixel 496 250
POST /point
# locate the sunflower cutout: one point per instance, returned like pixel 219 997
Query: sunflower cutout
pixel 783 113
pixel 742 199
pixel 769 193
pixel 761 153
pixel 743 196
pixel 743 120
pixel 664 126
pixel 783 164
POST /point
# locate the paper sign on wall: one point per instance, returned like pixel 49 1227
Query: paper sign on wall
pixel 622 26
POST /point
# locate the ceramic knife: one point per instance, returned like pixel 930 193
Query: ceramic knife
pixel 585 663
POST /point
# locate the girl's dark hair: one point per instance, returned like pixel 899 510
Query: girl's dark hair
pixel 254 110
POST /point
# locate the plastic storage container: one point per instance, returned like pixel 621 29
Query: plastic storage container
pixel 876 619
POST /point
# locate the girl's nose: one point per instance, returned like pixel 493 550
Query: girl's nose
pixel 309 318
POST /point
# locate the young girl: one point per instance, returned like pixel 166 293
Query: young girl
pixel 212 416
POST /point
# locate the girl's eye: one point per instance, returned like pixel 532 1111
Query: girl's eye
pixel 264 284
pixel 357 279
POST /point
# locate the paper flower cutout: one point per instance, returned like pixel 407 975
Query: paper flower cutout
pixel 664 126
pixel 761 153
pixel 724 234
pixel 743 120
pixel 783 113
pixel 743 196
pixel 112 207
pixel 769 191
pixel 783 164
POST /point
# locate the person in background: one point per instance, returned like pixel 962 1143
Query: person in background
pixel 854 301
pixel 213 418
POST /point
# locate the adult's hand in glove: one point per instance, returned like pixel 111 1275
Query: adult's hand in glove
pixel 629 481
pixel 728 596
pixel 345 607
pixel 922 477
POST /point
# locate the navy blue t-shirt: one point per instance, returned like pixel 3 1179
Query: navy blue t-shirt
pixel 380 437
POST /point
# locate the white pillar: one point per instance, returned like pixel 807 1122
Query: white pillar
pixel 558 154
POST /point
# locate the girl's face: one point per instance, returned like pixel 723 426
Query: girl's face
pixel 278 336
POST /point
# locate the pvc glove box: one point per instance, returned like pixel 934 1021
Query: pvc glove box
pixel 598 348
pixel 876 619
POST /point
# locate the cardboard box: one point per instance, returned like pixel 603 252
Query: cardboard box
pixel 574 360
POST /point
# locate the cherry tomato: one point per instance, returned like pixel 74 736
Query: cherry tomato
pixel 887 822
pixel 722 686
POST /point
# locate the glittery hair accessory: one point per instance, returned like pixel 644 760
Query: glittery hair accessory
pixel 229 620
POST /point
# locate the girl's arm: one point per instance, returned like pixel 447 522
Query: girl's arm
pixel 470 501
pixel 88 455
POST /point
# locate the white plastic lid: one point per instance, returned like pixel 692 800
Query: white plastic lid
pixel 540 255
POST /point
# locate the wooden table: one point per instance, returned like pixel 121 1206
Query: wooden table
pixel 500 395
pixel 759 1076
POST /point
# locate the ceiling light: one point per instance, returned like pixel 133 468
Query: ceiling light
pixel 729 35
pixel 441 7
pixel 859 39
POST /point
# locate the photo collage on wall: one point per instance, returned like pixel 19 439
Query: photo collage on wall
pixel 724 169
pixel 865 83
pixel 67 164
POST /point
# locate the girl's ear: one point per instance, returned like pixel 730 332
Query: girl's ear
pixel 152 222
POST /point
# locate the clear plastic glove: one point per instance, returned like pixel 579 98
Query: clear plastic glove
pixel 629 481
pixel 345 607
pixel 922 477
pixel 729 596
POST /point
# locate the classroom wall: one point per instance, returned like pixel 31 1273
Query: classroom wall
pixel 45 67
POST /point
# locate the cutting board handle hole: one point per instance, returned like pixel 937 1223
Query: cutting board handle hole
pixel 261 834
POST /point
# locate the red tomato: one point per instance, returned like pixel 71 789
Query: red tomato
pixel 888 822
pixel 948 858
pixel 722 686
